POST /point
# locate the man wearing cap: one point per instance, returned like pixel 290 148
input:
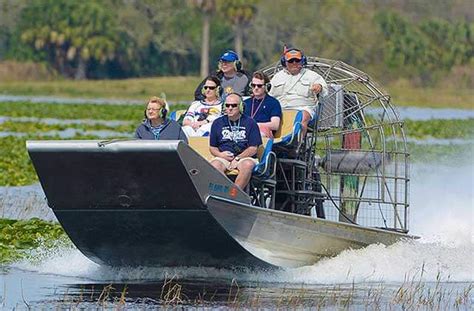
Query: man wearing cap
pixel 297 87
pixel 233 78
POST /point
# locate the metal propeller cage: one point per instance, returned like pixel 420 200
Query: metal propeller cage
pixel 359 149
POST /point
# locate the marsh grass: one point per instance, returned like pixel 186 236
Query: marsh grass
pixel 440 128
pixel 76 111
pixel 412 294
pixel 403 93
pixel 35 127
pixel 176 88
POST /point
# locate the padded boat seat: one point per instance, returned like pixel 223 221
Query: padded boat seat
pixel 175 115
pixel 264 154
pixel 290 128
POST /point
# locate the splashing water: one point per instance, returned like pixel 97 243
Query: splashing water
pixel 441 213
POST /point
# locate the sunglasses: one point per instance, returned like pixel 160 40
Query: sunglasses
pixel 253 85
pixel 231 105
pixel 293 60
pixel 206 87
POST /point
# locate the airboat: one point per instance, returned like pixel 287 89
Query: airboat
pixel 344 185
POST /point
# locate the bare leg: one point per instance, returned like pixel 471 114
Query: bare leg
pixel 245 173
pixel 304 123
pixel 218 165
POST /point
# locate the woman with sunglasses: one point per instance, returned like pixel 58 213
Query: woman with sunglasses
pixel 296 87
pixel 262 107
pixel 201 113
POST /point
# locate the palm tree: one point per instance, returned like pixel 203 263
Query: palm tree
pixel 207 9
pixel 239 13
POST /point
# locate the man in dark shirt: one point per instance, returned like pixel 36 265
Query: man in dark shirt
pixel 261 107
pixel 234 141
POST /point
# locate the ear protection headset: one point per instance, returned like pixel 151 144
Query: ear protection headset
pixel 241 104
pixel 267 86
pixel 261 76
pixel 303 61
pixel 162 113
pixel 237 62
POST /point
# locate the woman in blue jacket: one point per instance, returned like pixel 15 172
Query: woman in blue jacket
pixel 156 125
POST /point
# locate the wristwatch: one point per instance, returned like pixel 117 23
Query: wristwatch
pixel 237 158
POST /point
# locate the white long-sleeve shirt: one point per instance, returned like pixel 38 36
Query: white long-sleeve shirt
pixel 294 91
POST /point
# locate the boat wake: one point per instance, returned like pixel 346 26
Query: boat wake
pixel 442 216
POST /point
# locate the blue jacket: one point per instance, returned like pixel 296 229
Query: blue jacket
pixel 171 131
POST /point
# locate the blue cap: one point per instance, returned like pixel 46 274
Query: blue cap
pixel 229 56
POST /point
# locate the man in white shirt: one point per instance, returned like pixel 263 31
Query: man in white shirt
pixel 297 87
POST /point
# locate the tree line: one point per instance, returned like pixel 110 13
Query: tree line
pixel 140 38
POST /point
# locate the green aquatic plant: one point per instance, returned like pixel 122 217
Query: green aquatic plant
pixel 20 236
pixel 450 154
pixel 15 164
pixel 38 127
pixel 443 129
pixel 76 111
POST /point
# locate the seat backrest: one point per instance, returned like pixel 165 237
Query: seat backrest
pixel 201 146
pixel 175 115
pixel 286 123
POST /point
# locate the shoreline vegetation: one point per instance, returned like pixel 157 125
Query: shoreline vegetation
pixel 48 121
pixel 181 89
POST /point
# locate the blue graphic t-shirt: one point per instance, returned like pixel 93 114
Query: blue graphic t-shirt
pixel 235 136
pixel 262 110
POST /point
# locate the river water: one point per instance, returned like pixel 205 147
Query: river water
pixel 438 267
pixel 434 272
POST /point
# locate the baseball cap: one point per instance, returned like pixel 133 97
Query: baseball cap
pixel 293 54
pixel 229 56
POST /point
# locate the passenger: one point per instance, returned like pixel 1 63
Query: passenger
pixel 156 125
pixel 201 113
pixel 261 107
pixel 234 141
pixel 233 78
pixel 297 87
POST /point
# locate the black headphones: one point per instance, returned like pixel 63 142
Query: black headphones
pixel 162 113
pixel 303 61
pixel 237 62
pixel 267 86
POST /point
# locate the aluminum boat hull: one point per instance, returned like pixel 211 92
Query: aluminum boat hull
pixel 148 203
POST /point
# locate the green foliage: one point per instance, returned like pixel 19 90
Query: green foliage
pixel 76 111
pixel 238 12
pixel 419 40
pixel 427 49
pixel 34 127
pixel 17 237
pixel 175 88
pixel 15 164
pixel 72 111
pixel 70 32
pixel 443 129
pixel 450 154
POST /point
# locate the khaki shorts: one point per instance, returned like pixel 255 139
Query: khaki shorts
pixel 227 163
